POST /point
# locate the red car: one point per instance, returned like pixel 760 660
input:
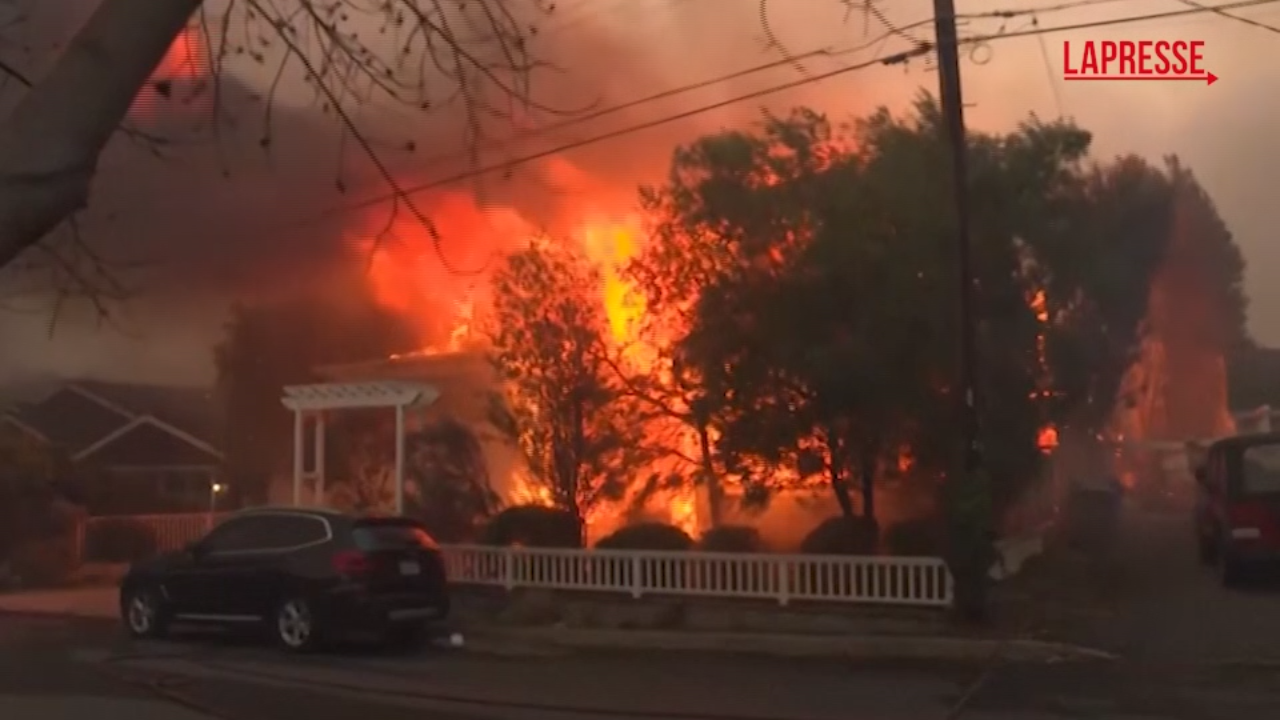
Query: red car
pixel 1238 504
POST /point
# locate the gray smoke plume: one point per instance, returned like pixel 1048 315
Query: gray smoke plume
pixel 223 219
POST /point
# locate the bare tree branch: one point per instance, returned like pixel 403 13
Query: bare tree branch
pixel 422 54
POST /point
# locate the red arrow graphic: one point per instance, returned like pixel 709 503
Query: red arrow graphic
pixel 1207 78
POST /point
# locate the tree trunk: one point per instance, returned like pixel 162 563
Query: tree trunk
pixel 49 144
pixel 715 493
pixel 840 486
pixel 867 471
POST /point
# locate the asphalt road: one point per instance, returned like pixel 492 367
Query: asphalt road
pixel 79 668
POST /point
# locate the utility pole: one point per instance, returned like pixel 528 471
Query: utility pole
pixel 969 490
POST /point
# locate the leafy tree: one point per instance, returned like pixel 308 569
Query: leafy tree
pixel 718 213
pixel 789 306
pixel 274 344
pixel 825 314
pixel 559 405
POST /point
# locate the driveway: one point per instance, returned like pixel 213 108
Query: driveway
pixel 1156 605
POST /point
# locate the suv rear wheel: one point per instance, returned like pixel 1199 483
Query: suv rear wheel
pixel 295 625
pixel 144 613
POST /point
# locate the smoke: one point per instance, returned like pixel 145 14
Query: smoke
pixel 255 209
pixel 226 218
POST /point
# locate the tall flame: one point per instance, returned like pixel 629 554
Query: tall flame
pixel 407 277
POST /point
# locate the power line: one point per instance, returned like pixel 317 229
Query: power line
pixel 634 103
pixel 1223 13
pixel 898 58
pixel 630 129
pixel 579 119
pixel 1216 9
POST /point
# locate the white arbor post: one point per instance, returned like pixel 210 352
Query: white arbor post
pixel 304 399
pixel 317 463
pixel 299 424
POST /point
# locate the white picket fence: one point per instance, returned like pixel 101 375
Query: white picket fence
pixel 907 581
pixel 919 581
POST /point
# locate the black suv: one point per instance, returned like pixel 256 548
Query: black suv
pixel 306 575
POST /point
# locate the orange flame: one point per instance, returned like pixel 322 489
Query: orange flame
pixel 407 276
pixel 1047 439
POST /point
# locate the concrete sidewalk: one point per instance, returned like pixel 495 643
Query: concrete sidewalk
pixel 102 602
pixel 87 602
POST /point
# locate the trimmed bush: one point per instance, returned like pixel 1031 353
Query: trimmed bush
pixel 842 536
pixel 731 539
pixel 647 536
pixel 118 540
pixel 920 537
pixel 533 526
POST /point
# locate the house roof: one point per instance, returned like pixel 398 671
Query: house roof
pixel 189 409
pixel 85 415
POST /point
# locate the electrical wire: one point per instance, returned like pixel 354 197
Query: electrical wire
pixel 896 59
pixel 1230 16
pixel 637 102
pixel 787 59
pixel 1054 82
pixel 621 132
pixel 1216 9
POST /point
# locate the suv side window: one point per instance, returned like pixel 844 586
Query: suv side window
pixel 290 530
pixel 239 534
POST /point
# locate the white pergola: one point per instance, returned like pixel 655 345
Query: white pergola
pixel 315 400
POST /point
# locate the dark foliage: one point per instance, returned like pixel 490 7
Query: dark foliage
pixel 533 526
pixel 920 537
pixel 647 536
pixel 731 539
pixel 842 536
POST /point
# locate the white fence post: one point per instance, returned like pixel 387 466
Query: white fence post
pixel 509 567
pixel 784 582
pixel 637 575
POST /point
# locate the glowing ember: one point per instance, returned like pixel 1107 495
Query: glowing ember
pixel 1047 439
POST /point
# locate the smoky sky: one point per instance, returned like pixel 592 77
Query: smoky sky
pixel 257 210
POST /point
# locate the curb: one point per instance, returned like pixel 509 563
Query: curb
pixel 802 646
pixel 535 641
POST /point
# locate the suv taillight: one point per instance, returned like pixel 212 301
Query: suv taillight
pixel 352 563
